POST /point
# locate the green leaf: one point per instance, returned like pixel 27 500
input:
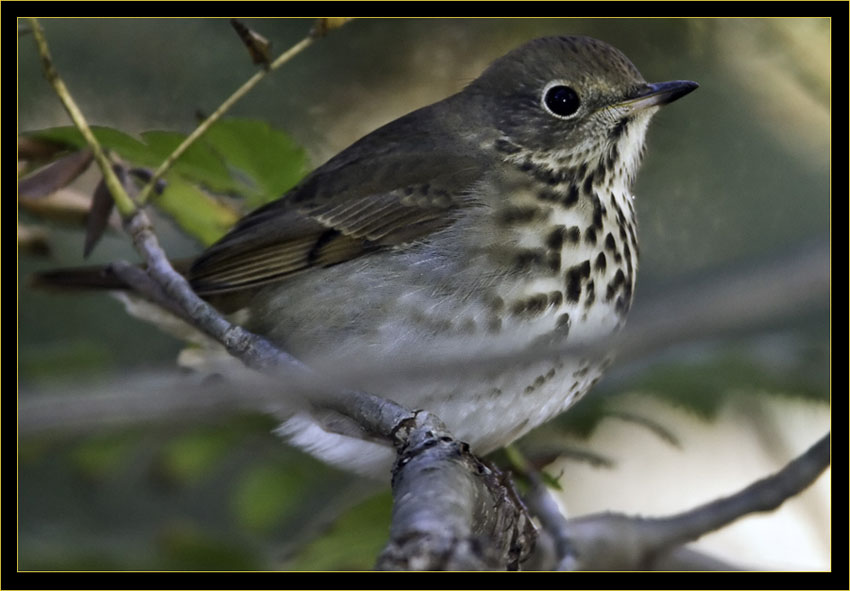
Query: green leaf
pixel 241 158
pixel 198 213
pixel 269 160
pixel 128 147
pixel 198 163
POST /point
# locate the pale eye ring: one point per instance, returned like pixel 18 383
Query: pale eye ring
pixel 560 100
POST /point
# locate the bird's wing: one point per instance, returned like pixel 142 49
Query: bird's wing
pixel 343 210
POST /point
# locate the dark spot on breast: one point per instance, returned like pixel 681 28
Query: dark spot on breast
pixel 553 261
pixel 619 278
pixel 600 262
pixel 530 258
pixel 574 277
pixel 613 154
pixel 520 214
pixel 617 210
pixel 555 239
pixel 573 234
pixel 582 371
pixel 556 298
pixel 610 244
pixel 532 306
pixel 582 170
pixel 590 236
pixel 573 287
pixel 587 186
pixel 598 211
pixel 600 172
pixel 570 197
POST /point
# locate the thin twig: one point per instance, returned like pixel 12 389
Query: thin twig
pixel 123 201
pixel 145 193
pixel 613 541
pixel 763 495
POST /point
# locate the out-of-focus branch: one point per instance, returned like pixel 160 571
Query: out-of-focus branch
pixel 736 302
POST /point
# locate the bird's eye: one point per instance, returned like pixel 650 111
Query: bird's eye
pixel 560 100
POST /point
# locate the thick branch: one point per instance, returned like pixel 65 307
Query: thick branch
pixel 460 517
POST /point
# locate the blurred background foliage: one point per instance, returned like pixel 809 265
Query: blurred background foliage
pixel 737 176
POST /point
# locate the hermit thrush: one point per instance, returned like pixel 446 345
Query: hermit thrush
pixel 492 219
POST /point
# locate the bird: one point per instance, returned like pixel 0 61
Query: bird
pixel 497 218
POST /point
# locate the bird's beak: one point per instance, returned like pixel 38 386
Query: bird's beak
pixel 655 95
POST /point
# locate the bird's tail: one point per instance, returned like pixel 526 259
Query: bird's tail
pixel 90 278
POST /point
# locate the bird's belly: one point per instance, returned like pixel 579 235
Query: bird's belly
pixel 417 340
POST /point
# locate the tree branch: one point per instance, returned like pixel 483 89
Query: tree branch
pixel 613 541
